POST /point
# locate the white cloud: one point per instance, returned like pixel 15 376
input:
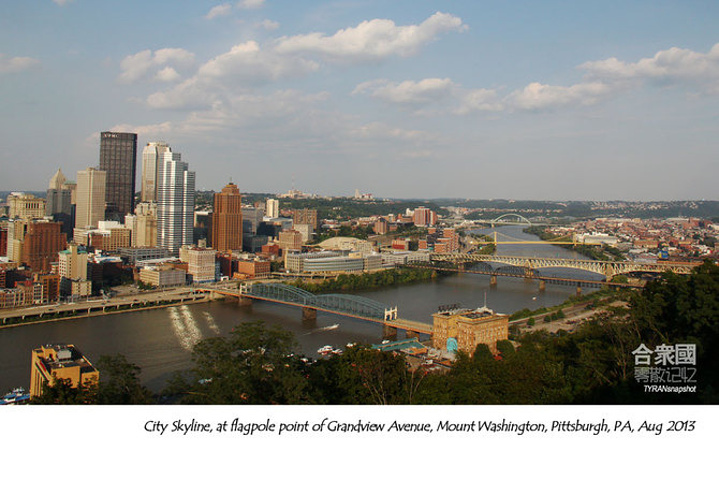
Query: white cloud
pixel 431 91
pixel 452 98
pixel 190 94
pixel 269 25
pixel 244 66
pixel 373 39
pixel 219 11
pixel 16 64
pixel 478 100
pixel 673 66
pixel 250 63
pixel 140 65
pixel 167 74
pixel 537 96
pixel 408 92
pixel 250 4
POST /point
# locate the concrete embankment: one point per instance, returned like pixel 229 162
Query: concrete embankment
pixel 31 316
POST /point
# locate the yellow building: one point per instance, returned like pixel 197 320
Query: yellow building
pixel 468 328
pixel 51 362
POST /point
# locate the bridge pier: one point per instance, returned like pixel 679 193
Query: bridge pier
pixel 542 285
pixel 388 332
pixel 411 334
pixel 244 301
pixel 493 281
pixel 309 314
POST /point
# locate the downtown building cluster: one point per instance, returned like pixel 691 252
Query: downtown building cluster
pixel 96 231
pixel 70 243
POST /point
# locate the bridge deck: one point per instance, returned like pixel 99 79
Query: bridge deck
pixel 400 323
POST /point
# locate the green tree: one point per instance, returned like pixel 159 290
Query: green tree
pixel 62 392
pixel 255 364
pixel 119 382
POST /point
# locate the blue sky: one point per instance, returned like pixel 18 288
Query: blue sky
pixel 558 100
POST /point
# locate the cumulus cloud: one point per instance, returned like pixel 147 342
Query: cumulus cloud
pixel 142 64
pixel 249 62
pixel 408 92
pixel 674 65
pixel 432 91
pixel 478 100
pixel 16 64
pixel 269 25
pixel 604 78
pixel 537 96
pixel 373 39
pixel 219 11
pixel 250 4
pixel 167 74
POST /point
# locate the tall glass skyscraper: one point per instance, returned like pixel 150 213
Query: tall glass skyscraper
pixel 118 157
pixel 175 203
pixel 152 155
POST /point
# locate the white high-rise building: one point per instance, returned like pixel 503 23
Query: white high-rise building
pixel 273 208
pixel 152 156
pixel 90 198
pixel 175 203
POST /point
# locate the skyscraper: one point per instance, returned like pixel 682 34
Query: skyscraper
pixel 273 208
pixel 118 157
pixel 152 155
pixel 90 197
pixel 175 203
pixel 59 195
pixel 60 205
pixel 227 219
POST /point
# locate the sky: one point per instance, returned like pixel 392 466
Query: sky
pixel 551 100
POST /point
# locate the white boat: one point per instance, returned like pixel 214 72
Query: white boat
pixel 325 350
pixel 18 395
pixel 329 327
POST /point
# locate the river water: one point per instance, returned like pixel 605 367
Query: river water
pixel 160 341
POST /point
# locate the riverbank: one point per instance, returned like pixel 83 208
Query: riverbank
pixel 602 253
pixel 368 281
pixel 572 310
pixel 91 308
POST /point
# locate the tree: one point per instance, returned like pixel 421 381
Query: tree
pixel 254 365
pixel 62 392
pixel 119 382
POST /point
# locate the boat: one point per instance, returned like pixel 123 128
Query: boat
pixel 17 396
pixel 325 350
pixel 329 327
pixel 337 351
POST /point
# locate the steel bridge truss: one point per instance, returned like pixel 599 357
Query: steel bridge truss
pixel 340 303
pixel 530 265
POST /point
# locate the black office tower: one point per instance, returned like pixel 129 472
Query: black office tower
pixel 118 157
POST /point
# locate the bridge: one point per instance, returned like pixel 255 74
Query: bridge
pixel 509 219
pixel 529 266
pixel 339 304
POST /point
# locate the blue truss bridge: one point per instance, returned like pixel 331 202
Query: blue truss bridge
pixel 352 306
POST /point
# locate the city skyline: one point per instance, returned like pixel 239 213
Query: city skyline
pixel 403 100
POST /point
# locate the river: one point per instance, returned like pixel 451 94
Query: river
pixel 160 341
